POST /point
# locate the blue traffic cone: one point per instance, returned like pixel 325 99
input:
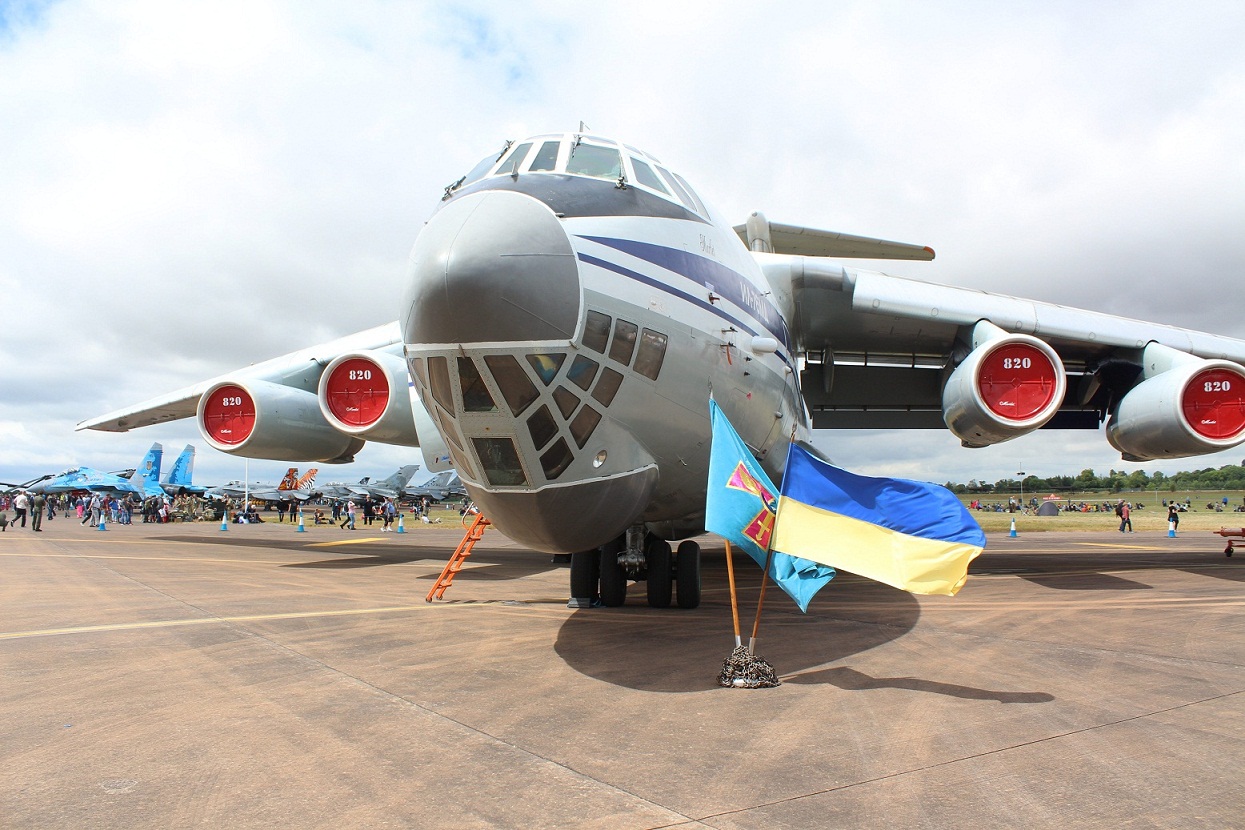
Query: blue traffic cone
pixel 1013 531
pixel 1171 530
pixel 224 520
pixel 102 526
pixel 301 529
pixel 401 527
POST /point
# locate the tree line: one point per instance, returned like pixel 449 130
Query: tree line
pixel 1228 477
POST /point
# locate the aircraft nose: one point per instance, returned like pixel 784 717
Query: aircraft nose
pixel 489 267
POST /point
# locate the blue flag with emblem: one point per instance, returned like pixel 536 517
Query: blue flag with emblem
pixel 741 505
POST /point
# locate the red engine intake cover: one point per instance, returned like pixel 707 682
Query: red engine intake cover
pixel 229 415
pixel 1017 381
pixel 1214 404
pixel 357 392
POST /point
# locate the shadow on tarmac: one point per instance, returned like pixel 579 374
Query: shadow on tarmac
pixel 849 679
pixel 604 643
pixel 1087 581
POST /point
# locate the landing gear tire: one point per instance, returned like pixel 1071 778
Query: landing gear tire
pixel 657 560
pixel 1227 551
pixel 585 574
pixel 613 577
pixel 687 574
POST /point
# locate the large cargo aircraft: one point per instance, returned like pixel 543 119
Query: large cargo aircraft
pixel 572 304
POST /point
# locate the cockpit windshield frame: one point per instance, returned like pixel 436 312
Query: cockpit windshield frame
pixel 589 157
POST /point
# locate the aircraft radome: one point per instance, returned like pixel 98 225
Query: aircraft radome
pixel 572 302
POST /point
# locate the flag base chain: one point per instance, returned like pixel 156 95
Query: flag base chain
pixel 744 670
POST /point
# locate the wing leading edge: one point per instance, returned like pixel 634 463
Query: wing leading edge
pixel 300 369
pixel 891 352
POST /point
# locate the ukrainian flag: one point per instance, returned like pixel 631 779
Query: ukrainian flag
pixel 908 534
pixel 740 506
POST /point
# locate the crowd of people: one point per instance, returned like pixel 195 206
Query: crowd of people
pixel 30 509
pixel 100 508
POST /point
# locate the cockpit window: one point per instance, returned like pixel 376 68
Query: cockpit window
pixel 645 176
pixel 678 189
pixel 546 157
pixel 512 164
pixel 480 169
pixel 592 160
pixel 699 204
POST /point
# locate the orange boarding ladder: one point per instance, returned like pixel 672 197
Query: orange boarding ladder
pixel 452 567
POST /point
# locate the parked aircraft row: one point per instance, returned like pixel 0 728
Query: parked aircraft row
pixel 144 481
pixel 573 302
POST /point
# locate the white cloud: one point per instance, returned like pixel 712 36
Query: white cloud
pixel 193 187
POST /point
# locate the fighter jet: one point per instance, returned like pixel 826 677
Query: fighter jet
pixel 291 488
pixel 389 488
pixel 573 302
pixel 444 485
pixel 143 482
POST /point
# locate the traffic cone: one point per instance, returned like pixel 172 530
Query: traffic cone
pixel 102 526
pixel 301 529
pixel 1013 531
pixel 1171 530
pixel 401 527
pixel 224 520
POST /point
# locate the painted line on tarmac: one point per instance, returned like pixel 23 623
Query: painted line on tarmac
pixel 341 542
pixel 293 615
pixel 1072 606
pixel 185 559
pixel 1121 547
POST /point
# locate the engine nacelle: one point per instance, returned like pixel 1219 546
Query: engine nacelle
pixel 368 395
pixel 1009 385
pixel 1190 409
pixel 261 419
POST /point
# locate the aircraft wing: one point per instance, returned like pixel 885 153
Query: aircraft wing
pixel 887 345
pixel 292 369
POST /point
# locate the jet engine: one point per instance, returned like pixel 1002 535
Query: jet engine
pixel 367 395
pixel 1193 407
pixel 261 419
pixel 1009 385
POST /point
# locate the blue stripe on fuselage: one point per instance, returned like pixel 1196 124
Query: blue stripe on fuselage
pixel 682 295
pixel 729 284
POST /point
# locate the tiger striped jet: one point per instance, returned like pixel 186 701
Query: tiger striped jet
pixel 292 488
pixel 572 303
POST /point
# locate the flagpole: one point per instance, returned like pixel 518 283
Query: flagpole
pixel 730 575
pixel 756 624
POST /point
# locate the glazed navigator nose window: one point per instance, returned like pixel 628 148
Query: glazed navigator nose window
pixel 652 354
pixel 500 461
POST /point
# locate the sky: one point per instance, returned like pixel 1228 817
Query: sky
pixel 187 188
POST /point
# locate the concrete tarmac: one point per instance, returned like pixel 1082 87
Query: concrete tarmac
pixel 175 676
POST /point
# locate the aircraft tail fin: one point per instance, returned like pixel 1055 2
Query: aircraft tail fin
pixel 764 236
pixel 307 480
pixel 182 473
pixel 401 478
pixel 147 473
pixel 290 482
